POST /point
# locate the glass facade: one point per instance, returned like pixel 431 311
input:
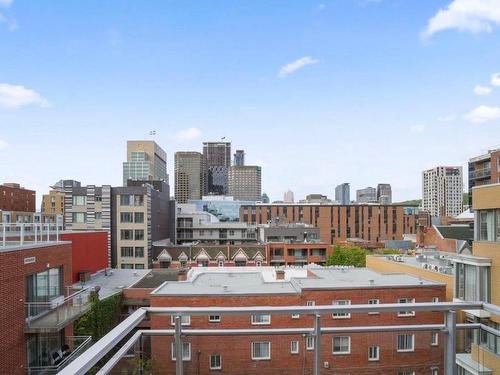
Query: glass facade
pixel 224 210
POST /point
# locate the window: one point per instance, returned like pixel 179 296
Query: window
pixel 139 252
pixel 98 215
pixel 373 353
pixel 186 351
pixel 310 342
pixel 261 350
pixel 341 345
pixel 139 266
pixel 126 217
pixel 138 217
pixel 435 299
pixel 79 217
pixel 214 318
pixel 435 338
pixel 185 320
pixel 294 347
pixel 373 301
pixel 79 200
pixel 127 251
pixel 126 234
pixel 341 315
pixel 139 234
pixel 215 362
pixel 486 220
pixel 406 372
pixel 220 263
pixel 98 198
pixel 138 200
pixel 406 342
pixel 125 200
pixel 311 303
pixel 261 319
pixel 127 266
pixel 434 371
pixel 406 313
pixel 295 316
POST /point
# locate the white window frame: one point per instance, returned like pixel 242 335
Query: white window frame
pixel 435 299
pixel 294 347
pixel 377 351
pixel 434 338
pixel 185 320
pixel 261 358
pixel 310 342
pixel 375 303
pixel 295 316
pixel 434 371
pixel 341 315
pixel 210 362
pixel 348 345
pixel 311 303
pixel 406 372
pixel 264 323
pixel 216 320
pixel 406 313
pixel 184 359
pixel 220 263
pixel 412 349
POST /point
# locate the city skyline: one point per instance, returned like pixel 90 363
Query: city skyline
pixel 300 81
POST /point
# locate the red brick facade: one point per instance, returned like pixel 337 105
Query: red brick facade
pixel 12 293
pixel 17 199
pixel 371 223
pixel 235 352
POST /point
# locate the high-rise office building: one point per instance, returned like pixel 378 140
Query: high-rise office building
pixel 288 197
pixel 366 195
pixel 265 198
pixel 245 182
pixel 188 176
pixel 484 169
pixel 342 193
pixel 239 158
pixel 442 191
pixel 146 161
pixel 217 160
pixel 384 193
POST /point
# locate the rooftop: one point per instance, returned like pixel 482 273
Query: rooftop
pixel 262 280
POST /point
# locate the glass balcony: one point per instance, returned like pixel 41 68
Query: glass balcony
pixel 21 234
pixel 54 315
pixel 480 173
pixel 45 362
pixel 313 344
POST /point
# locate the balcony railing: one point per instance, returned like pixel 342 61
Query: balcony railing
pixel 448 330
pixel 480 173
pixel 20 234
pixel 56 314
pixel 77 345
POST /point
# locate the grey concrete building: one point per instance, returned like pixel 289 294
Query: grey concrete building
pixel 239 158
pixel 384 193
pixel 245 182
pixel 442 191
pixel 343 193
pixel 288 233
pixel 366 195
pixel 188 176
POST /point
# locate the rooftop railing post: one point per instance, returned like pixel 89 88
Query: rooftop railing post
pixel 3 234
pixel 21 234
pixel 178 345
pixel 36 233
pixel 450 367
pixel 317 345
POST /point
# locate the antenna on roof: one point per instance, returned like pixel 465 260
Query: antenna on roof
pixel 152 132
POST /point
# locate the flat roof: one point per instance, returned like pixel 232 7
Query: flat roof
pixel 262 280
pixel 113 281
pixel 156 277
pixel 31 245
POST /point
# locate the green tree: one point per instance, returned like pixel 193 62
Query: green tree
pixel 347 256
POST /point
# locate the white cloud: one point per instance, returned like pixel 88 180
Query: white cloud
pixel 296 65
pixel 483 113
pixel 5 3
pixel 3 144
pixel 465 15
pixel 495 79
pixel 10 22
pixel 186 135
pixel 415 129
pixel 15 96
pixel 447 118
pixel 482 90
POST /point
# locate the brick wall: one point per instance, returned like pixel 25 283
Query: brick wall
pixel 12 294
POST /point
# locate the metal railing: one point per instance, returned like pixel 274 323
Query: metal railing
pixel 77 345
pixel 480 173
pixel 53 314
pixel 449 327
pixel 19 234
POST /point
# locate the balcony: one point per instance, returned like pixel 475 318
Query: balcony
pixel 480 173
pixel 77 345
pixel 154 351
pixel 54 315
pixel 22 234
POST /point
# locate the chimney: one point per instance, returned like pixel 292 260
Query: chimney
pixel 182 275
pixel 280 274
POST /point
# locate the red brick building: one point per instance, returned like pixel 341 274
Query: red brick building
pixel 372 223
pixel 418 352
pixel 16 201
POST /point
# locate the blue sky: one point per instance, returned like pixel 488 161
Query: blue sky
pixel 317 92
